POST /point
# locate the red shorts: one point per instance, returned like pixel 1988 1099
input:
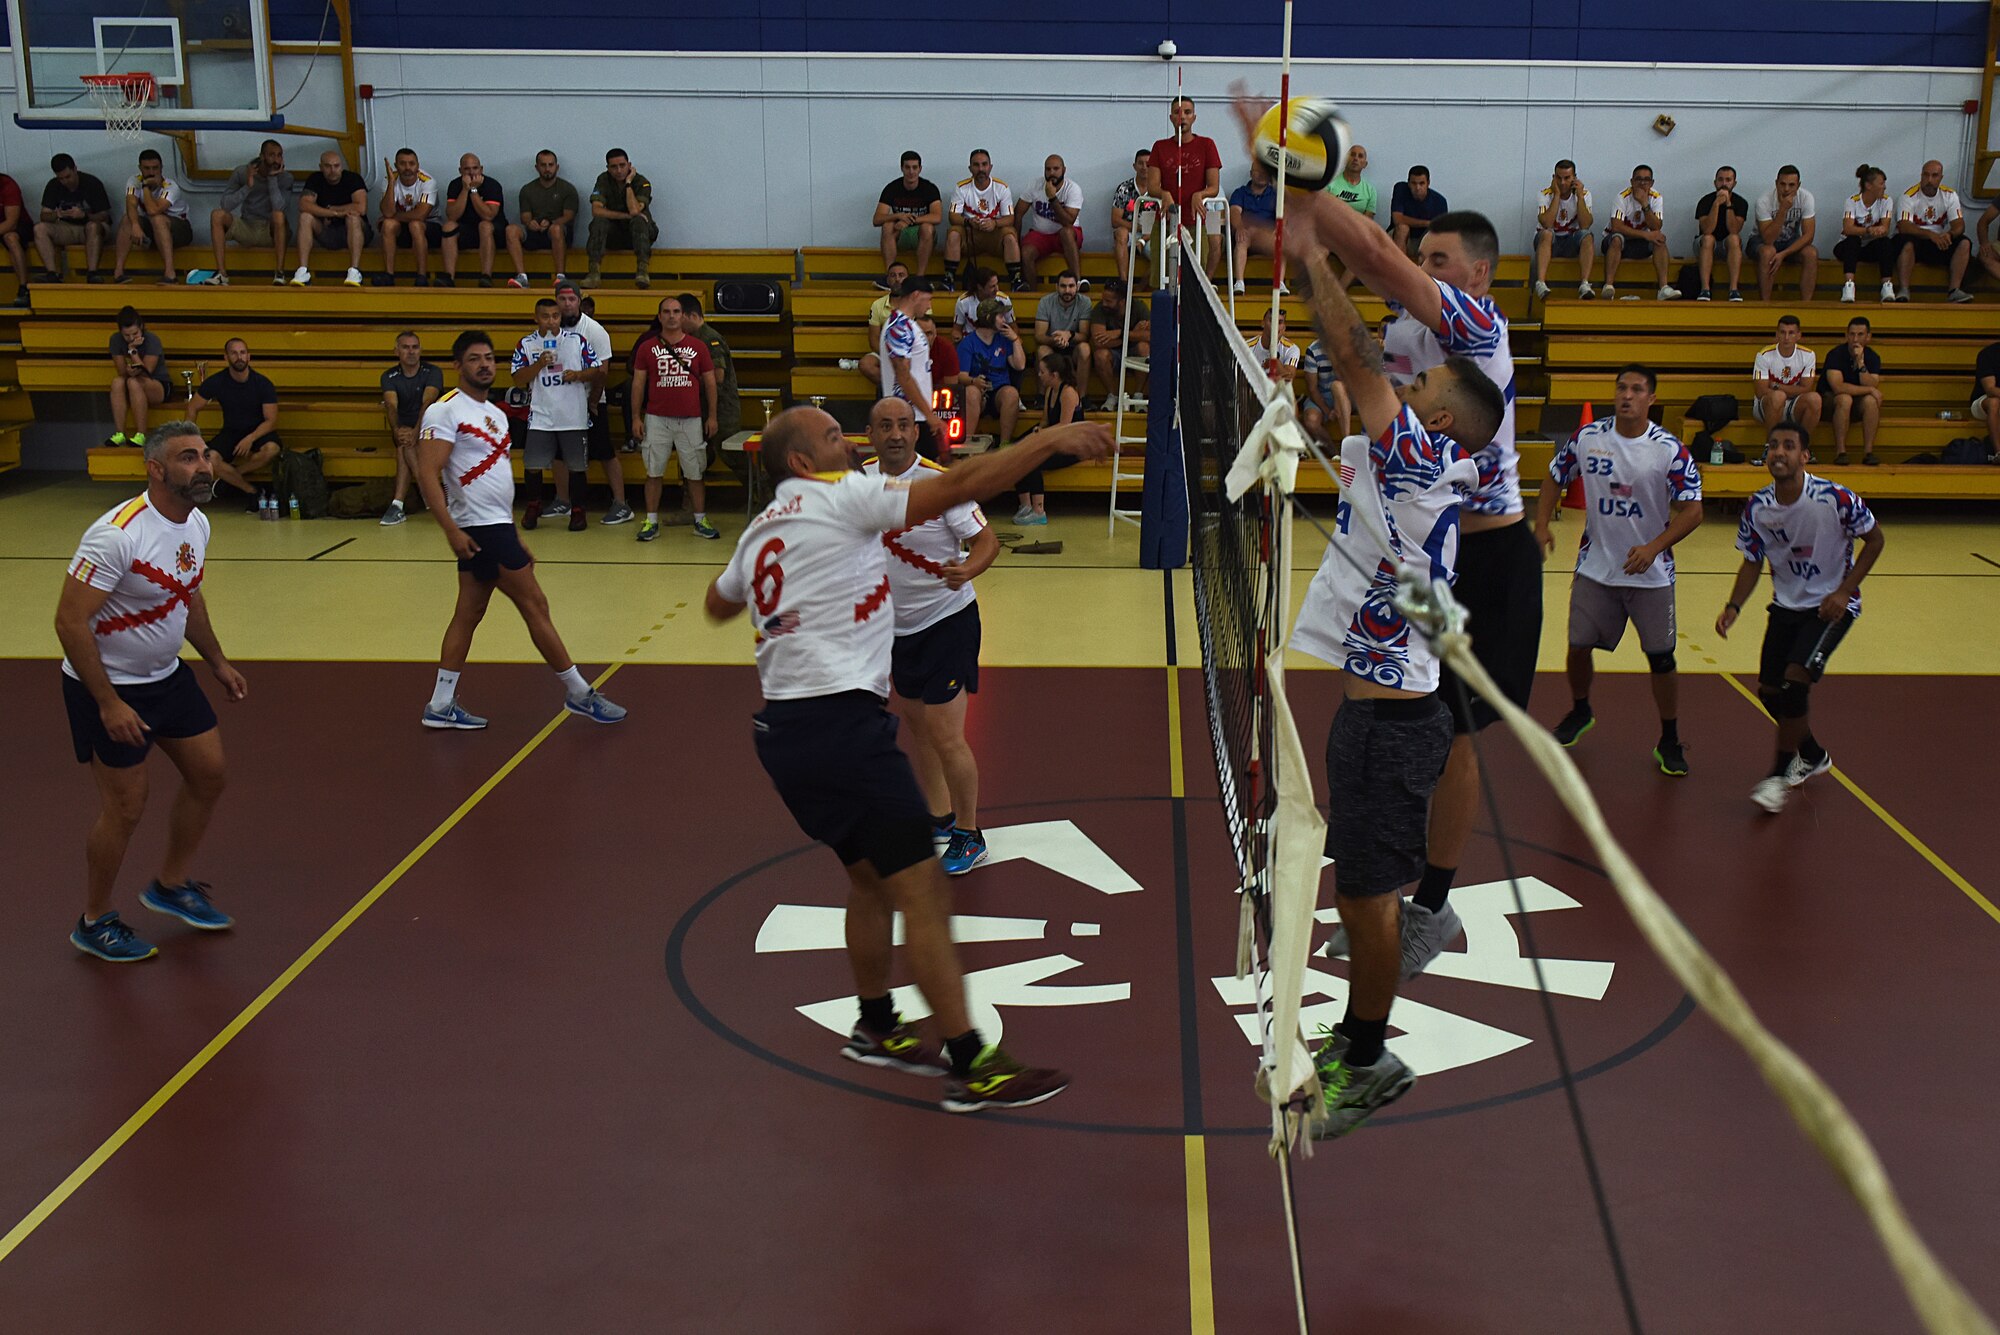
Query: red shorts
pixel 1044 244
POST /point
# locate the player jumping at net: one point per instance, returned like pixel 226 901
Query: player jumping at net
pixel 463 455
pixel 1642 495
pixel 1806 527
pixel 814 567
pixel 935 664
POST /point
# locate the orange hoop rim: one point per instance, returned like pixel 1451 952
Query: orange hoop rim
pixel 135 85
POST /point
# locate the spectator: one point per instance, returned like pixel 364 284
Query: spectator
pixel 905 362
pixel 1718 223
pixel 897 273
pixel 155 216
pixel 1125 199
pixel 1412 205
pixel 1357 190
pixel 475 204
pixel 1930 227
pixel 139 378
pixel 409 210
pixel 548 210
pixel 993 360
pixel 1852 375
pixel 258 204
pixel 1256 202
pixel 16 231
pixel 946 373
pixel 1186 170
pixel 1986 395
pixel 983 219
pixel 408 387
pixel 1638 229
pixel 621 213
pixel 1989 250
pixel 907 214
pixel 1784 377
pixel 555 364
pixel 76 211
pixel 1327 410
pixel 1062 320
pixel 1785 230
pixel 248 437
pixel 333 202
pixel 1563 229
pixel 1287 367
pixel 1868 232
pixel 981 285
pixel 1053 222
pixel 673 372
pixel 1061 403
pixel 1107 337
pixel 579 313
pixel 728 394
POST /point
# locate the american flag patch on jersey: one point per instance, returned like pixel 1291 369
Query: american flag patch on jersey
pixel 1804 552
pixel 1621 489
pixel 1346 471
pixel 782 624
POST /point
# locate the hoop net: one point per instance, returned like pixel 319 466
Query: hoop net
pixel 123 98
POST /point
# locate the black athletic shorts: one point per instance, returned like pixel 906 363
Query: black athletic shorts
pixel 230 447
pixel 1798 637
pixel 1500 584
pixel 176 707
pixel 533 240
pixel 835 762
pixel 597 440
pixel 927 441
pixel 499 549
pixel 1383 762
pixel 936 663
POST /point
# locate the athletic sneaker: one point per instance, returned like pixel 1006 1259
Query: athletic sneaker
pixel 595 708
pixel 302 276
pixel 1025 515
pixel 618 514
pixel 1573 726
pixel 531 515
pixel 1238 287
pixel 189 903
pixel 1703 295
pixel 393 515
pixel 1734 295
pixel 903 1048
pixel 1802 769
pixel 519 280
pixel 1036 519
pixel 704 529
pixel 1847 290
pixel 1541 289
pixel 966 850
pixel 1025 284
pixel 998 1081
pixel 1422 934
pixel 649 531
pixel 1609 291
pixel 353 278
pixel 1770 793
pixel 1355 1093
pixel 1586 291
pixel 1888 290
pixel 941 837
pixel 1668 292
pixel 452 716
pixel 110 939
pixel 1672 759
pixel 1958 295
pixel 556 509
pixel 1902 294
pixel 577 522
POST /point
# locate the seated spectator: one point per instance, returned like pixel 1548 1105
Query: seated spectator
pixel 1107 337
pixel 981 285
pixel 1718 225
pixel 1125 197
pixel 76 211
pixel 1785 380
pixel 548 210
pixel 1930 226
pixel 248 436
pixel 1355 189
pixel 408 387
pixel 1287 360
pixel 1785 230
pixel 138 378
pixel 16 231
pixel 1053 222
pixel 1062 320
pixel 621 214
pixel 258 204
pixel 1061 402
pixel 475 207
pixel 983 221
pixel 156 216
pixel 1563 229
pixel 1867 232
pixel 1254 202
pixel 333 202
pixel 409 210
pixel 1412 206
pixel 1185 170
pixel 1327 410
pixel 1852 376
pixel 993 359
pixel 1638 229
pixel 908 213
pixel 897 274
pixel 1986 394
pixel 1989 249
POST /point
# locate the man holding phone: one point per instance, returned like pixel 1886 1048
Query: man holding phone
pixel 1051 223
pixel 555 364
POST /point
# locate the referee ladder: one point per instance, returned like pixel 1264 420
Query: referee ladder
pixel 1148 214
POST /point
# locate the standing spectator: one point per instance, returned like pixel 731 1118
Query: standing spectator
pixel 248 437
pixel 1062 321
pixel 258 204
pixel 993 360
pixel 16 232
pixel 1186 169
pixel 1986 394
pixel 1638 229
pixel 1868 232
pixel 1563 229
pixel 1053 222
pixel 728 394
pixel 1107 337
pixel 905 362
pixel 1930 226
pixel 1125 197
pixel 907 214
pixel 139 378
pixel 1989 251
pixel 1718 224
pixel 155 216
pixel 878 310
pixel 1257 201
pixel 1412 205
pixel 1352 187
pixel 983 220
pixel 674 375
pixel 1327 410
pixel 621 213
pixel 1785 381
pixel 578 313
pixel 548 210
pixel 1852 375
pixel 408 388
pixel 409 209
pixel 981 285
pixel 76 211
pixel 1785 230
pixel 476 204
pixel 556 364
pixel 334 201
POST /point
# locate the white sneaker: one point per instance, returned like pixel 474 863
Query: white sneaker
pixel 1238 288
pixel 301 276
pixel 1025 515
pixel 1771 793
pixel 1847 290
pixel 1888 290
pixel 1608 292
pixel 1586 291
pixel 1541 288
pixel 1902 294
pixel 1802 769
pixel 353 278
pixel 1669 292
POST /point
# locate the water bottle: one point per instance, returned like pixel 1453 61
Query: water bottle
pixel 267 505
pixel 1715 453
pixel 293 508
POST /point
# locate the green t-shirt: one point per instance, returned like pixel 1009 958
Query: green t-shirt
pixel 1361 196
pixel 548 202
pixel 612 195
pixel 728 400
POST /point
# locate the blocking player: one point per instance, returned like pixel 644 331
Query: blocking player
pixel 132 599
pixel 814 567
pixel 1806 526
pixel 463 455
pixel 1642 495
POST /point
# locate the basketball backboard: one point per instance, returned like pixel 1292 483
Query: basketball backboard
pixel 211 60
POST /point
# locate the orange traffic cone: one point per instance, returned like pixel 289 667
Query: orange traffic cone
pixel 1573 494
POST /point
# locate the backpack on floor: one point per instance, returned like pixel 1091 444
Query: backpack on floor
pixel 1967 450
pixel 298 474
pixel 365 500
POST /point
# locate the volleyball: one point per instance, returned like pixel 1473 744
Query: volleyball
pixel 1316 141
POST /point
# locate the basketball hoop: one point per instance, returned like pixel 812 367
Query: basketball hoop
pixel 123 99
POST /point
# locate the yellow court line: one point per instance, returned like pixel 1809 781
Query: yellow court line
pixel 1176 767
pixel 1945 869
pixel 1201 1284
pixel 70 1185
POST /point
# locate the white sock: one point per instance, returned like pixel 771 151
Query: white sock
pixel 652 516
pixel 573 683
pixel 445 691
pixel 701 516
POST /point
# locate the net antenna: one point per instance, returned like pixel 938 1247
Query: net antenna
pixel 123 98
pixel 1278 224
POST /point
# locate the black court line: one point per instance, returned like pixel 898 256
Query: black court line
pixel 1987 559
pixel 336 547
pixel 1188 980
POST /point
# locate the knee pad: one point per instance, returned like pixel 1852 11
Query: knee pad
pixel 1768 697
pixel 1661 662
pixel 1791 700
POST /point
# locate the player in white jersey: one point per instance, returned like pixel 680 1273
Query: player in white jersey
pixel 904 356
pixel 559 363
pixel 982 219
pixel 1642 495
pixel 1401 488
pixel 132 599
pixel 1930 226
pixel 1638 229
pixel 814 569
pixel 1806 527
pixel 1786 377
pixel 1563 220
pixel 467 476
pixel 935 666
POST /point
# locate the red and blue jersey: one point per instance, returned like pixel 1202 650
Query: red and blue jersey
pixel 1468 326
pixel 1629 487
pixel 1809 543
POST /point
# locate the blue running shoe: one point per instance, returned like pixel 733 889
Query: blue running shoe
pixel 966 850
pixel 595 708
pixel 940 837
pixel 452 716
pixel 110 939
pixel 189 903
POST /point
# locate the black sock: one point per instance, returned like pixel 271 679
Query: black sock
pixel 948 821
pixel 1670 731
pixel 1365 1039
pixel 531 484
pixel 964 1050
pixel 579 482
pixel 1014 271
pixel 951 269
pixel 1783 763
pixel 1811 750
pixel 878 1013
pixel 1436 885
pixel 1581 705
pixel 972 830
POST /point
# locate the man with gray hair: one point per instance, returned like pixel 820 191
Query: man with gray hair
pixel 257 204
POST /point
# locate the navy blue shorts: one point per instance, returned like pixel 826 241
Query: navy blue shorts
pixel 176 707
pixel 499 549
pixel 1800 639
pixel 835 762
pixel 1383 762
pixel 936 663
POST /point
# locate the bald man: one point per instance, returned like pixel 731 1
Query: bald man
pixel 474 204
pixel 1930 226
pixel 1051 219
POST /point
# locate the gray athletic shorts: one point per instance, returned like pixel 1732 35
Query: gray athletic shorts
pixel 673 435
pixel 543 447
pixel 1566 245
pixel 1791 409
pixel 1598 613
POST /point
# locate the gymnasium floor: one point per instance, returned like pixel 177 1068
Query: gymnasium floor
pixel 518 1030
